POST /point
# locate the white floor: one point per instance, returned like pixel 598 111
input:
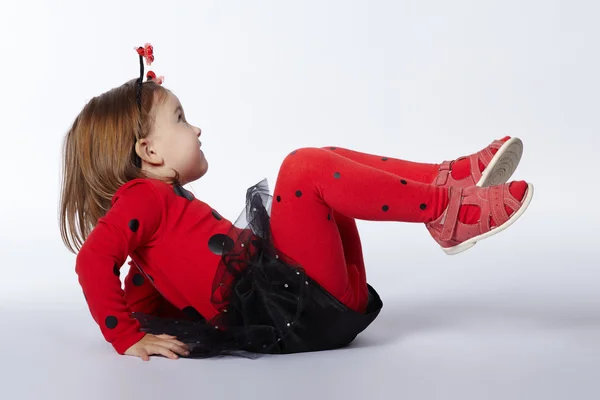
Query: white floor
pixel 454 327
pixel 455 351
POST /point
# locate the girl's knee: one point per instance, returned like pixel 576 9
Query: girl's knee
pixel 305 155
pixel 304 162
pixel 329 148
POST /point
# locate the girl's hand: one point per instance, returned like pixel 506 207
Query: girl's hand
pixel 165 345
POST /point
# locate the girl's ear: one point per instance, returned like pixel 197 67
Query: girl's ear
pixel 146 151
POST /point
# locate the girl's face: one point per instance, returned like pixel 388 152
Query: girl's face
pixel 173 144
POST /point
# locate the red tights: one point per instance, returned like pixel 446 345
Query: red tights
pixel 321 191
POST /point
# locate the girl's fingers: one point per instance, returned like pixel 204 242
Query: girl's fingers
pixel 166 345
pixel 165 336
pixel 158 349
pixel 173 339
pixel 177 349
pixel 180 344
pixel 144 355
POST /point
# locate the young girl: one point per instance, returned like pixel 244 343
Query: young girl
pixel 288 276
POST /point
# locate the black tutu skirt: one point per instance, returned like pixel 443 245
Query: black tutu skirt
pixel 267 303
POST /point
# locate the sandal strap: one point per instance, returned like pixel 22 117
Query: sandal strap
pixel 485 156
pixel 510 200
pixel 499 196
pixel 496 144
pixel 444 172
pixel 450 217
pixel 475 173
pixel 491 200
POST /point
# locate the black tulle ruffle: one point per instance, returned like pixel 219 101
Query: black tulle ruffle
pixel 266 302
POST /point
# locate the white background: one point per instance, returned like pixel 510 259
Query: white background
pixel 516 317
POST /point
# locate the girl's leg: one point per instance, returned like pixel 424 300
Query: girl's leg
pixel 420 172
pixel 314 186
pixel 461 170
pixel 416 171
pixel 353 255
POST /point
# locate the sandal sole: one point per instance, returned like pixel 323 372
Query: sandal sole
pixel 467 244
pixel 503 164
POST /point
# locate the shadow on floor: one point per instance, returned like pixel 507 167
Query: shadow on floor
pixel 401 320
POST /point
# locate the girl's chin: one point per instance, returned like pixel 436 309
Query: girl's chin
pixel 203 167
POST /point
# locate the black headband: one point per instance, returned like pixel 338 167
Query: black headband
pixel 146 52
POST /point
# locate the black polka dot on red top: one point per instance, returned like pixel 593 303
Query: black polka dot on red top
pixel 385 208
pixel 329 217
pixel 193 313
pixel 337 175
pixel 403 182
pixel 298 193
pixel 116 270
pixel 138 280
pixel 220 244
pixel 384 159
pixel 423 206
pixel 278 199
pixel 181 192
pixel 216 215
pixel 111 322
pixel 134 224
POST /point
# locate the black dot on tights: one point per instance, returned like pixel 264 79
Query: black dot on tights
pixel 403 182
pixel 116 270
pixel 384 159
pixel 134 224
pixel 193 313
pixel 216 215
pixel 278 199
pixel 111 322
pixel 423 206
pixel 337 175
pixel 298 193
pixel 385 208
pixel 138 280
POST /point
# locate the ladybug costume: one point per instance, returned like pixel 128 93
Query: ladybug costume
pixel 286 276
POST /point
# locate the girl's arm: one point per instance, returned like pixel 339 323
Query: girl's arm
pixel 144 298
pixel 134 220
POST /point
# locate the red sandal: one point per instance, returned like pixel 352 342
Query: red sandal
pixel 455 237
pixel 499 167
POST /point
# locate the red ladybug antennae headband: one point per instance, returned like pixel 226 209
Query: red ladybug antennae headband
pixel 146 52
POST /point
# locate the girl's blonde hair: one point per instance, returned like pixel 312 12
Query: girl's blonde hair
pixel 99 155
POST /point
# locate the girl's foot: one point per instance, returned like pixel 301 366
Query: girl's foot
pixel 496 208
pixel 493 165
